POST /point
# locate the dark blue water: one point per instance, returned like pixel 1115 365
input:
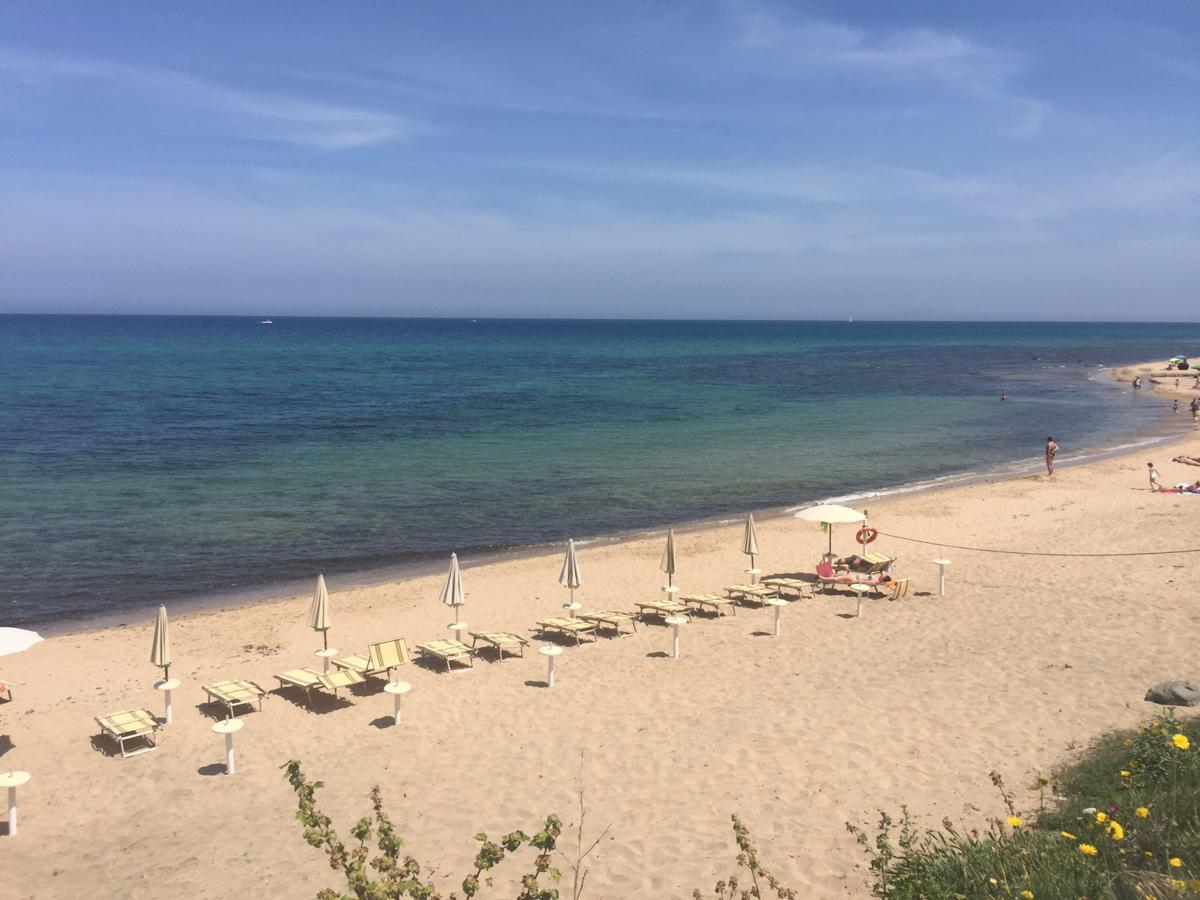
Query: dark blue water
pixel 149 458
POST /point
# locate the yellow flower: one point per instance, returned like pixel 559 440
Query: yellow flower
pixel 1178 883
pixel 1129 741
pixel 992 881
pixel 1124 773
pixel 1101 818
pixel 1067 835
pixel 1026 895
pixel 1117 832
pixel 1181 741
pixel 1042 779
pixel 1087 849
pixel 1175 862
pixel 1014 821
pixel 1141 812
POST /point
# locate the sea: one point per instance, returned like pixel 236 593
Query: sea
pixel 181 459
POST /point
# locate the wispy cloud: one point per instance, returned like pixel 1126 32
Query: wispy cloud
pixel 261 115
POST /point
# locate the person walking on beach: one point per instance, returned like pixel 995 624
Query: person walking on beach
pixel 1175 405
pixel 1051 449
pixel 1154 485
pixel 1194 406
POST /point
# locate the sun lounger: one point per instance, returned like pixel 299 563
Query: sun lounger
pixel 711 602
pixel 871 564
pixel 899 589
pixel 501 640
pixel 663 608
pixel 758 594
pixel 828 578
pixel 234 694
pixel 448 651
pixel 381 658
pixel 130 725
pixel 575 628
pixel 310 680
pixel 611 618
pixel 784 586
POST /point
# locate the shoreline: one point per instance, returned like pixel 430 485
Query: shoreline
pixel 276 592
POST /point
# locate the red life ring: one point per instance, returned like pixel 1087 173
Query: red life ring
pixel 866 535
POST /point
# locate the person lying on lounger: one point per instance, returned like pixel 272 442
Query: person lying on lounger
pixel 1187 460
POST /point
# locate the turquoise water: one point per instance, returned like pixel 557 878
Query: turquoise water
pixel 149 458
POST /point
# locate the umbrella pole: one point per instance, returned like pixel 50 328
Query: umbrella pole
pixel 325 638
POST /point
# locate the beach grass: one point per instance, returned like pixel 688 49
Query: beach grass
pixel 1121 821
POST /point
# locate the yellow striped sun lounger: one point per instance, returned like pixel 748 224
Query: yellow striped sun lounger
pixel 714 603
pixel 757 594
pixel 575 628
pixel 234 694
pixel 130 725
pixel 793 586
pixel 448 651
pixel 310 680
pixel 613 619
pixel 502 641
pixel 381 658
pixel 663 608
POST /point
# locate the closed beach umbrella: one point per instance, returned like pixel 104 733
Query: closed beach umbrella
pixel 750 540
pixel 318 613
pixel 569 576
pixel 668 560
pixel 829 515
pixel 160 647
pixel 452 592
pixel 14 640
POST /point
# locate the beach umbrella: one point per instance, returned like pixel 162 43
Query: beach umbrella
pixel 750 540
pixel 569 576
pixel 160 646
pixel 668 560
pixel 318 613
pixel 452 592
pixel 829 515
pixel 14 640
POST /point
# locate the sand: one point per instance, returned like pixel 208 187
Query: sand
pixel 915 703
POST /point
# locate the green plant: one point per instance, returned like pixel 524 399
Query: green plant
pixel 747 859
pixel 387 875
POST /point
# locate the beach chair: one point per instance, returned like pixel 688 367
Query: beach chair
pixel 756 594
pixel 131 725
pixel 714 603
pixel 793 586
pixel 613 619
pixel 310 680
pixel 663 608
pixel 502 641
pixel 871 564
pixel 899 589
pixel 381 658
pixel 828 578
pixel 234 694
pixel 448 651
pixel 575 628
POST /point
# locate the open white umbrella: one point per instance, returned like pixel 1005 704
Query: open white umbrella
pixel 750 540
pixel 668 560
pixel 318 613
pixel 829 515
pixel 14 640
pixel 160 647
pixel 569 576
pixel 452 592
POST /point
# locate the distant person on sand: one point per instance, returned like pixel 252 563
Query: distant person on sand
pixel 1187 460
pixel 1051 449
pixel 1194 406
pixel 1175 405
pixel 1154 485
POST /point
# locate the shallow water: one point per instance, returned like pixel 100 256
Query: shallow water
pixel 148 458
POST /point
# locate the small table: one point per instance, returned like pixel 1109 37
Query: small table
pixel 754 573
pixel 12 781
pixel 941 564
pixel 572 607
pixel 675 622
pixel 670 588
pixel 779 603
pixel 166 687
pixel 458 628
pixel 550 651
pixel 326 655
pixel 860 590
pixel 397 689
pixel 227 727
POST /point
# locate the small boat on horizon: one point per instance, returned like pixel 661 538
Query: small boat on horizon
pixel 266 322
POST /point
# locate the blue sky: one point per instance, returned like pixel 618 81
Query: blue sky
pixel 703 159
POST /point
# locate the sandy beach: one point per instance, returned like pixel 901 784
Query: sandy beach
pixel 838 717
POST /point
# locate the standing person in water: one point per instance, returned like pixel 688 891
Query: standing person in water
pixel 1051 449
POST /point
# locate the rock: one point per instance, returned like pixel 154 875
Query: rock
pixel 1174 693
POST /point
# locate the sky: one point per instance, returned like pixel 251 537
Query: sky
pixel 724 159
